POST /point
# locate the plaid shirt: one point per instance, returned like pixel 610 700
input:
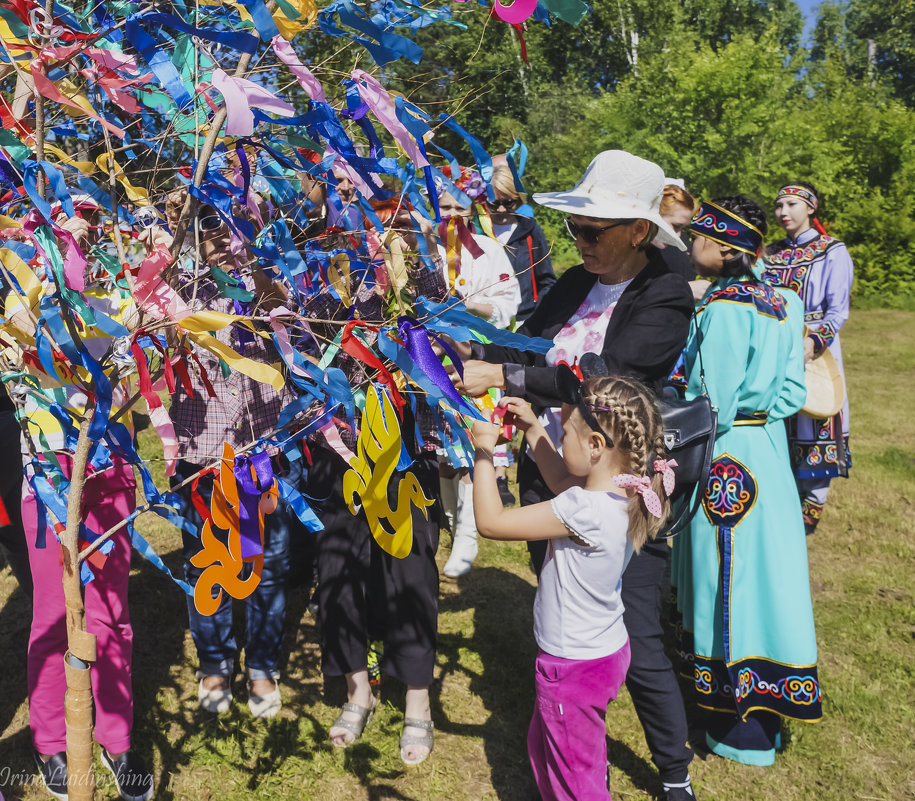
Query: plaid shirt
pixel 243 410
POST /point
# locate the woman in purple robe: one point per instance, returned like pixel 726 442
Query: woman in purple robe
pixel 819 268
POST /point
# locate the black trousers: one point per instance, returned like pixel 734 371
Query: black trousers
pixel 365 593
pixel 13 535
pixel 651 680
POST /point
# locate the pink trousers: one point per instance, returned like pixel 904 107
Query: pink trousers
pixel 567 739
pixel 108 498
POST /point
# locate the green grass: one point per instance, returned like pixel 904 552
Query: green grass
pixel 861 562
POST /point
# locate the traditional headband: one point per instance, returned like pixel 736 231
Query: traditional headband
pixel 726 228
pixel 801 192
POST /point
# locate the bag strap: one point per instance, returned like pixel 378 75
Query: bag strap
pixel 695 320
pixel 688 511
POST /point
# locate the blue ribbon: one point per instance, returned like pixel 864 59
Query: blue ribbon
pixel 455 314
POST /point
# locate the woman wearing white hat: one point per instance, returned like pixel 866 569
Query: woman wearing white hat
pixel 624 304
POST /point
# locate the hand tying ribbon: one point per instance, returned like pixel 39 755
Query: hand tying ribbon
pixel 665 468
pixel 416 338
pixel 642 485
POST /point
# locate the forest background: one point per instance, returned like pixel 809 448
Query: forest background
pixel 729 95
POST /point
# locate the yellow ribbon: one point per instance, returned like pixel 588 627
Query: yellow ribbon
pixel 198 327
pixel 134 193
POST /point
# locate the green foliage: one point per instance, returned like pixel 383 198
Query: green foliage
pixel 719 93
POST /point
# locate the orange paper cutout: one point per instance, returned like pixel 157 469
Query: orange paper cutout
pixel 222 561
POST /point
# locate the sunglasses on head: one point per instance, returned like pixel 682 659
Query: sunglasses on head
pixel 591 233
pixel 568 388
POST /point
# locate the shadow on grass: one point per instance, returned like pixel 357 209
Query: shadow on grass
pixel 502 605
pixel 15 623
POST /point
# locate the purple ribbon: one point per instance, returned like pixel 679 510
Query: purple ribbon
pixel 250 489
pixel 416 337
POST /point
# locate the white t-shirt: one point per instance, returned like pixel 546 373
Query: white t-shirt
pixel 488 279
pixel 584 333
pixel 578 612
pixel 504 233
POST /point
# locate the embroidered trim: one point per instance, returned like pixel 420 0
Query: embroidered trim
pixel 730 493
pixel 763 296
pixel 791 691
pixel 791 256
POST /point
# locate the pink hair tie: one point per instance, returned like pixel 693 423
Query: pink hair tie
pixel 642 485
pixel 665 468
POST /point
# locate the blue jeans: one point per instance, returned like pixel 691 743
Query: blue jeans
pixel 265 608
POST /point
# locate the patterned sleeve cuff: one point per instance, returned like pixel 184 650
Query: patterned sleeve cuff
pixel 514 380
pixel 819 342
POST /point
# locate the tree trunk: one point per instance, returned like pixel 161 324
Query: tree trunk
pixel 81 651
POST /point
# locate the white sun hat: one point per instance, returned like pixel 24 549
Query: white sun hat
pixel 617 186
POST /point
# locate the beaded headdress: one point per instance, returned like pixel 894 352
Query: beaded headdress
pixel 800 192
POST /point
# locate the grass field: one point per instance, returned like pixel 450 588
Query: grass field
pixel 861 562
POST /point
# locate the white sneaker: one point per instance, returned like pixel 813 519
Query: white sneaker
pixel 463 552
pixel 265 706
pixel 215 701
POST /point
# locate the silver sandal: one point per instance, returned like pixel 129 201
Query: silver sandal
pixel 427 739
pixel 354 727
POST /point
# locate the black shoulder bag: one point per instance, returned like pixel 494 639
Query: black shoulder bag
pixel 689 437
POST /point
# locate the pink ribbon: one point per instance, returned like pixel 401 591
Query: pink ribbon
pixel 152 292
pixel 240 96
pixel 642 485
pixel 340 163
pixel 303 75
pixel 665 468
pixel 74 259
pixel 283 345
pixel 332 435
pixel 379 101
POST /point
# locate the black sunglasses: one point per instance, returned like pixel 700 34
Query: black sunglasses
pixel 509 204
pixel 568 388
pixel 589 233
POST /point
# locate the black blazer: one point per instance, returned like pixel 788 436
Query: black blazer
pixel 645 335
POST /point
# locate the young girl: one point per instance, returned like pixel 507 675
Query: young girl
pixel 610 484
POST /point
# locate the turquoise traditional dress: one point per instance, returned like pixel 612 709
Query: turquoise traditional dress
pixel 740 571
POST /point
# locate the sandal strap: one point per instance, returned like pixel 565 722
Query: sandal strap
pixel 362 711
pixel 417 723
pixel 354 727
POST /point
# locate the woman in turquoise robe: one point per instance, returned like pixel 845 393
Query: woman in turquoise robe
pixel 740 571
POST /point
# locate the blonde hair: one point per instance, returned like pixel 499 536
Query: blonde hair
pixel 676 196
pixel 504 182
pixel 634 423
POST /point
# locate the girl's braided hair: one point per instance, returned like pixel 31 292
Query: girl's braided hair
pixel 634 423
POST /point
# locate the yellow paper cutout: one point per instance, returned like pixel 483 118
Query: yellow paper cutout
pixel 223 562
pixel 377 455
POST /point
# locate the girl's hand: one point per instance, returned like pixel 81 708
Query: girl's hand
pixel 522 415
pixel 485 435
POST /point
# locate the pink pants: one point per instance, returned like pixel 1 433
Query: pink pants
pixel 108 498
pixel 567 740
